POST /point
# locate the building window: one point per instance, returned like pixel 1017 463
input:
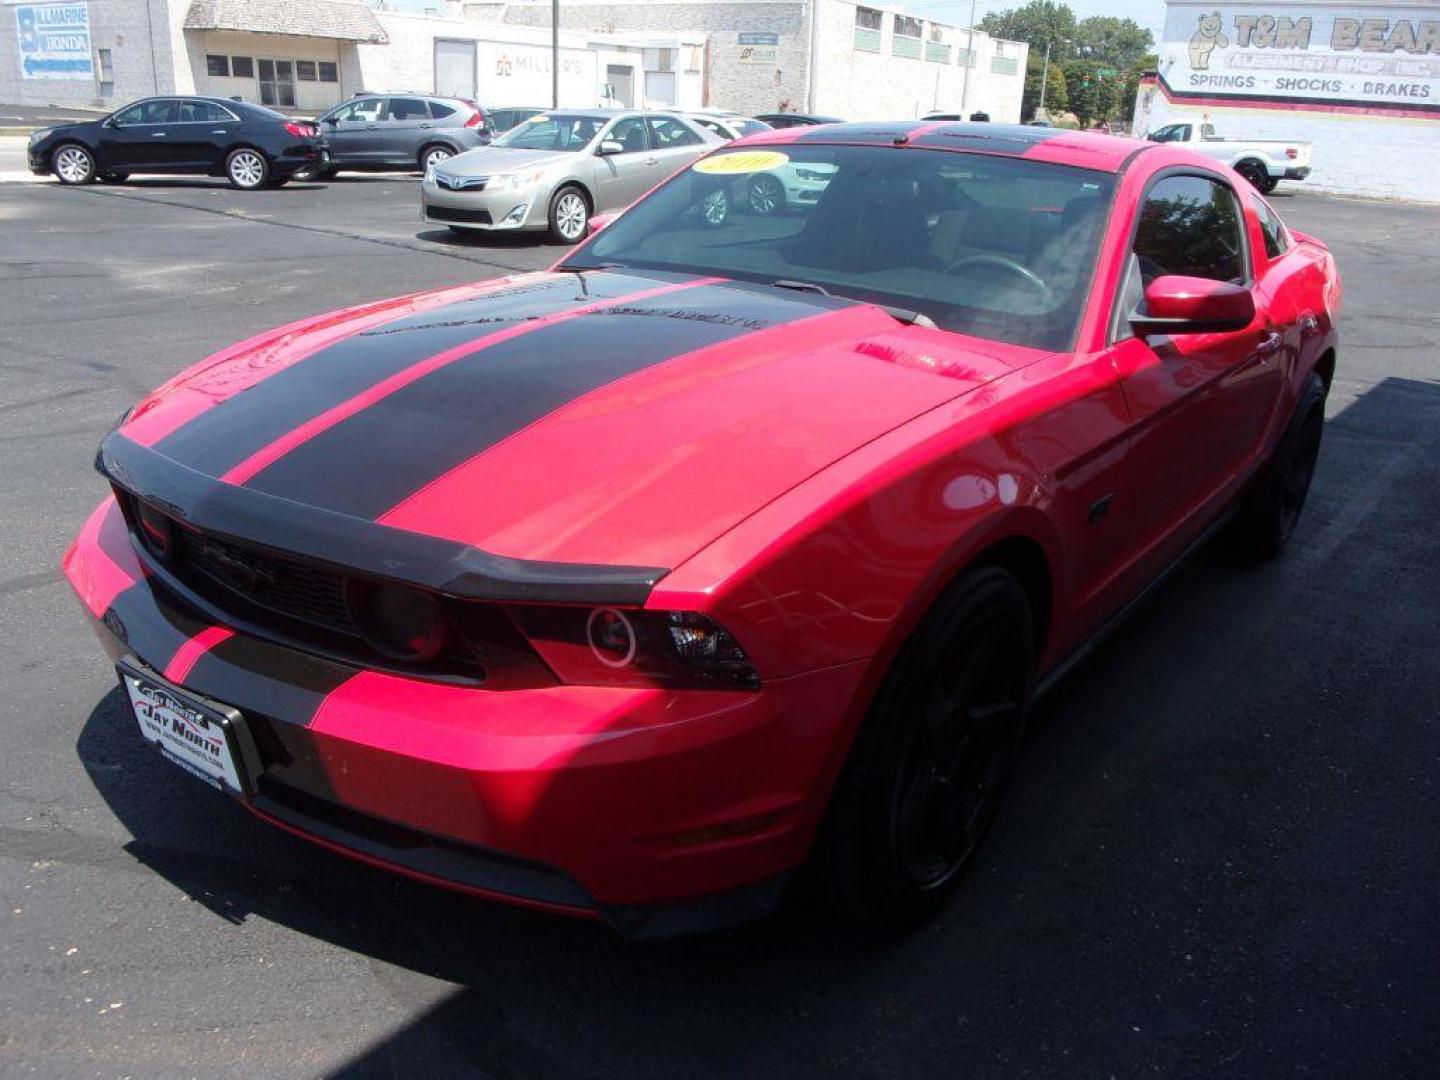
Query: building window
pixel 937 50
pixel 242 67
pixel 217 67
pixel 965 57
pixel 906 42
pixel 328 72
pixel 1004 65
pixel 305 70
pixel 867 29
pixel 105 70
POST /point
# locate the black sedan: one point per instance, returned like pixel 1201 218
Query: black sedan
pixel 250 145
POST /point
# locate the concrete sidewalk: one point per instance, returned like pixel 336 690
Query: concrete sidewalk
pixel 14 167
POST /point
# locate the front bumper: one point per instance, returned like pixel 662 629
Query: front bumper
pixel 1297 172
pixel 660 812
pixel 523 208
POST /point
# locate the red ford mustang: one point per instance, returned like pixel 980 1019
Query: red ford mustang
pixel 738 541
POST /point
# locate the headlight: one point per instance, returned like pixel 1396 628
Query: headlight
pixel 36 136
pixel 514 181
pixel 607 646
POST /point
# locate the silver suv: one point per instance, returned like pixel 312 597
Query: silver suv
pixel 399 131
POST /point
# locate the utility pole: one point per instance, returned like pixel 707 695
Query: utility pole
pixel 555 54
pixel 1044 79
pixel 969 60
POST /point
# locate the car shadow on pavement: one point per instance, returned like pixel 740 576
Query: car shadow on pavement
pixel 499 241
pixel 1134 880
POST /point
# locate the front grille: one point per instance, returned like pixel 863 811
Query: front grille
pixel 301 590
pixel 451 213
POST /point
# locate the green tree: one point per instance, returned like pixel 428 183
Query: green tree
pixel 1093 94
pixel 1038 23
pixel 1055 97
pixel 1111 42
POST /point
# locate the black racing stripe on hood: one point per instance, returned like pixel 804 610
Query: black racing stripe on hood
pixel 370 462
pixel 152 628
pixel 238 427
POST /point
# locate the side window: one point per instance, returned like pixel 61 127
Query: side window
pixel 439 111
pixel 667 133
pixel 404 108
pixel 203 112
pixel 712 125
pixel 629 132
pixel 1276 242
pixel 1190 225
pixel 366 110
pixel 148 112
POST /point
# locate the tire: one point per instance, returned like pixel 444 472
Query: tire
pixel 113 177
pixel 1272 509
pixel 247 169
pixel 73 164
pixel 923 781
pixel 765 194
pixel 715 208
pixel 433 155
pixel 1258 176
pixel 569 215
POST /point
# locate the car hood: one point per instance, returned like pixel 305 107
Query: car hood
pixel 489 160
pixel 605 418
pixel 81 128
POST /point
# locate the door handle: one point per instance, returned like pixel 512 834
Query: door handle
pixel 218 131
pixel 1270 346
pixel 424 125
pixel 652 161
pixel 371 127
pixel 158 134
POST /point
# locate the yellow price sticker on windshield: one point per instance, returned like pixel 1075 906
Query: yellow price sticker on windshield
pixel 745 161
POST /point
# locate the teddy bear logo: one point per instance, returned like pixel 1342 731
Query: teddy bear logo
pixel 1205 40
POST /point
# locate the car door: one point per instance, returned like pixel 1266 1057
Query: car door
pixel 201 134
pixel 1200 403
pixel 673 145
pixel 404 129
pixel 623 176
pixel 138 138
pixel 354 132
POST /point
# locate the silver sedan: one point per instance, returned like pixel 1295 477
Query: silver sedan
pixel 557 169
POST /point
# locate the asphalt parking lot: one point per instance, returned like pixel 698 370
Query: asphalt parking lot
pixel 1221 857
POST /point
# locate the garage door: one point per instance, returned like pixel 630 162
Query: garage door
pixel 455 69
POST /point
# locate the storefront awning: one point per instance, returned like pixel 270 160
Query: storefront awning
pixel 342 19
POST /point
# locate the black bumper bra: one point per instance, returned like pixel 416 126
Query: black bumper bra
pixel 360 546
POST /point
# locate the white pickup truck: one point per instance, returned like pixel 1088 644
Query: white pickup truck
pixel 1264 162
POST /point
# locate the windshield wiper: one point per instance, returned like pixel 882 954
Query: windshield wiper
pixel 901 314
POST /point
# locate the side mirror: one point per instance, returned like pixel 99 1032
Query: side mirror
pixel 111 122
pixel 610 146
pixel 332 120
pixel 599 221
pixel 1175 304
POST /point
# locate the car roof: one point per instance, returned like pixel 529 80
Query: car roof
pixel 1107 153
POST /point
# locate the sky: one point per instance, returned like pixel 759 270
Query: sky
pixel 1148 13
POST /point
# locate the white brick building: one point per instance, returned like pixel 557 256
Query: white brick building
pixel 856 61
pixel 1360 81
pixel 304 56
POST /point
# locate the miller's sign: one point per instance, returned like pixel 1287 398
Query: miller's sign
pixel 1373 57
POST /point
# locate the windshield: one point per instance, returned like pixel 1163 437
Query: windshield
pixel 553 131
pixel 998 247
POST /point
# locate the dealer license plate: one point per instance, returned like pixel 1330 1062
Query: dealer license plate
pixel 197 736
